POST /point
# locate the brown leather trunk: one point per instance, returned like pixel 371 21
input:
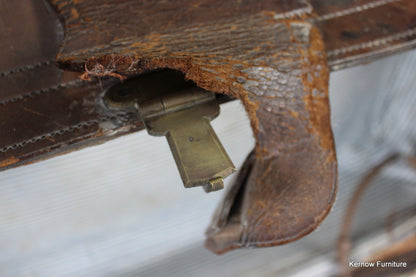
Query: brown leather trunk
pixel 275 56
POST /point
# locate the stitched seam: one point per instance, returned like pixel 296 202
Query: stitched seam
pixel 26 68
pixel 356 9
pixel 24 156
pixel 58 132
pixel 373 43
pixel 49 135
pixel 298 12
pixel 71 84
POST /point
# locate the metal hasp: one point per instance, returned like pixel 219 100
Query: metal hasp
pixel 183 115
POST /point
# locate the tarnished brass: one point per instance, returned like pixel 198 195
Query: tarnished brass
pixel 183 116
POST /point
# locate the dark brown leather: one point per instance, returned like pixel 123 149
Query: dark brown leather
pixel 354 31
pixel 44 110
pixel 272 61
pixel 269 54
pixel 361 31
pixel 29 47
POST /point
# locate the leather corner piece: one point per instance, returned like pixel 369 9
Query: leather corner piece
pixel 283 209
pixel 288 184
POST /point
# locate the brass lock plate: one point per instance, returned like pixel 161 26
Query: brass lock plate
pixel 172 107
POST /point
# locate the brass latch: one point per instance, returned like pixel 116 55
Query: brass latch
pixel 182 112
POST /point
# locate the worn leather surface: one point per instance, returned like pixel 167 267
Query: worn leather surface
pixel 353 31
pixel 269 54
pixel 274 62
pixel 44 110
pixel 357 32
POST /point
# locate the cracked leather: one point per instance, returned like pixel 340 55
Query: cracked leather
pixel 274 56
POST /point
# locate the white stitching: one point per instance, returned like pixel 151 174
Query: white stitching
pixel 373 43
pixel 355 9
pixel 298 12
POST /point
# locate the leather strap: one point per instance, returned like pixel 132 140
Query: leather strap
pixel 357 32
pixel 354 32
